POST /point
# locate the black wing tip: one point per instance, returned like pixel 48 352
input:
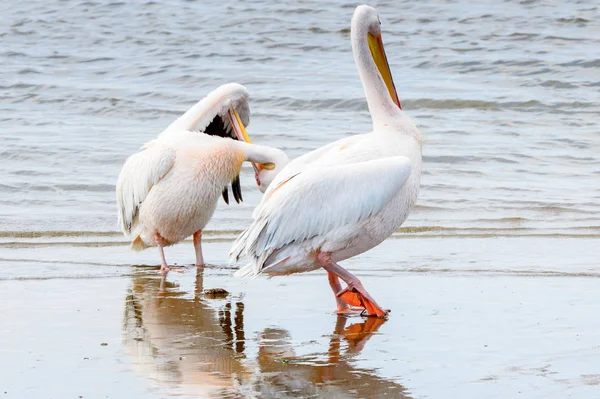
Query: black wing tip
pixel 236 187
pixel 217 128
pixel 226 195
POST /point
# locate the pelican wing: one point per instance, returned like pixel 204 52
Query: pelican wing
pixel 208 116
pixel 318 200
pixel 141 171
pixel 311 158
pixel 200 117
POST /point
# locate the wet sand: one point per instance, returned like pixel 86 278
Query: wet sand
pixel 493 323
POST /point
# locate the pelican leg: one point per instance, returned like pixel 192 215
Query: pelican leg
pixel 354 294
pixel 198 248
pixel 342 307
pixel 164 268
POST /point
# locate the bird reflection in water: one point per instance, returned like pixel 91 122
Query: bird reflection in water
pixel 197 346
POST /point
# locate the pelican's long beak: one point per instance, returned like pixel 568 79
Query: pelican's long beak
pixel 241 134
pixel 378 53
pixel 238 126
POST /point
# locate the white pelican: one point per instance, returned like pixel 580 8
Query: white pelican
pixel 347 197
pixel 169 189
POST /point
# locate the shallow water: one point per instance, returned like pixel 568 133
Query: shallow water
pixel 493 280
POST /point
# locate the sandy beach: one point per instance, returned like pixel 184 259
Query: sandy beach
pixel 481 328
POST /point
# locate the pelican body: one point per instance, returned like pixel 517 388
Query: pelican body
pixel 170 188
pixel 347 197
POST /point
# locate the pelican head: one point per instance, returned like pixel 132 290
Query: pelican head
pixel 266 172
pixel 366 30
pixel 274 159
pixel 271 160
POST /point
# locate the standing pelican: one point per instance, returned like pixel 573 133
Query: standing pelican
pixel 169 189
pixel 346 197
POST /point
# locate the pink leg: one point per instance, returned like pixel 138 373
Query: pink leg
pixel 198 248
pixel 342 307
pixel 354 294
pixel 164 268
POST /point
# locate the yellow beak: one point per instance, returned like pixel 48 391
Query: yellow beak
pixel 378 54
pixel 238 126
pixel 242 135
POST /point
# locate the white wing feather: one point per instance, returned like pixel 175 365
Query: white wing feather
pixel 217 102
pixel 141 171
pixel 302 162
pixel 321 199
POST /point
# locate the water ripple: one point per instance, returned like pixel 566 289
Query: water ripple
pixel 508 112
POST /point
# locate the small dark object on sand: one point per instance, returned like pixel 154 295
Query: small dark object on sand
pixel 216 293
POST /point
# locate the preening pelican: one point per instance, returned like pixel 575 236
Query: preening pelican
pixel 169 189
pixel 346 197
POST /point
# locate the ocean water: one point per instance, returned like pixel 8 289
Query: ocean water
pixel 507 95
